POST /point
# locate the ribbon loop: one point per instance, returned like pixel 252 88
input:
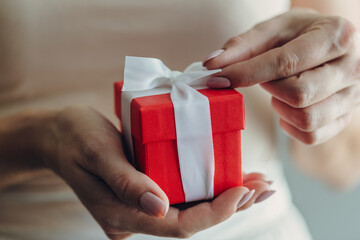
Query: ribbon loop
pixel 149 76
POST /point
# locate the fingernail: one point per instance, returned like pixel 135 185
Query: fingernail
pixel 213 55
pixel 153 205
pixel 218 82
pixel 269 182
pixel 245 198
pixel 264 196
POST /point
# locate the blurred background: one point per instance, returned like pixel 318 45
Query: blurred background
pixel 330 214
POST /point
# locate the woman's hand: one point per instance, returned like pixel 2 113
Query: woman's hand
pixel 86 150
pixel 308 62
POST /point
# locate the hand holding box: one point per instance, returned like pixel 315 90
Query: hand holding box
pixel 189 141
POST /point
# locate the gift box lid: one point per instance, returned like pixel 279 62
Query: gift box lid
pixel 152 117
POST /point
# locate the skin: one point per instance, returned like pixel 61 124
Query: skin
pixel 85 149
pixel 342 169
pixel 310 65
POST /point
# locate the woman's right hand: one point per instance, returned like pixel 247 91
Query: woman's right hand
pixel 85 149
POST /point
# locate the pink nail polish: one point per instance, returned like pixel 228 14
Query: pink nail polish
pixel 218 82
pixel 269 182
pixel 213 55
pixel 153 205
pixel 264 196
pixel 245 198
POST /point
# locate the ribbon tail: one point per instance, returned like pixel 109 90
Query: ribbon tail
pixel 194 141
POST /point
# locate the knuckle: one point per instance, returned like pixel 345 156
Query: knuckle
pixel 310 138
pixel 92 150
pixel 121 185
pixel 344 32
pixel 287 63
pixel 308 121
pixel 240 41
pixel 300 97
pixel 236 40
pixel 261 27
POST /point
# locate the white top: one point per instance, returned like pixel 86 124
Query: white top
pixel 81 47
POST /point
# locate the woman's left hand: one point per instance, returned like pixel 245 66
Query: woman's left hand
pixel 308 62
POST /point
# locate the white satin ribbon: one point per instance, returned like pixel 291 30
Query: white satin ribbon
pixel 149 76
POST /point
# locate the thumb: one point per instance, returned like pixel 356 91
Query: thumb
pixel 255 41
pixel 133 187
pixel 138 190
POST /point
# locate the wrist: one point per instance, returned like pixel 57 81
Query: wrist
pixel 45 143
pixel 22 138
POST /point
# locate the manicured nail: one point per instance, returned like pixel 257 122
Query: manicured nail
pixel 245 198
pixel 264 196
pixel 269 182
pixel 153 205
pixel 213 55
pixel 218 82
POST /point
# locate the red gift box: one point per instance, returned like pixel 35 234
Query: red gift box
pixel 154 139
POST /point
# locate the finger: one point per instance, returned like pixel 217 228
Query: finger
pixel 260 188
pixel 257 40
pixel 135 188
pixel 320 135
pixel 101 153
pixel 262 37
pixel 253 176
pixel 311 86
pixel 109 211
pixel 256 176
pixel 183 224
pixel 209 214
pixel 311 49
pixel 310 118
pixel 106 159
pixel 117 218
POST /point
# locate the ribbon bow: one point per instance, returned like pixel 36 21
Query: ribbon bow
pixel 150 76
